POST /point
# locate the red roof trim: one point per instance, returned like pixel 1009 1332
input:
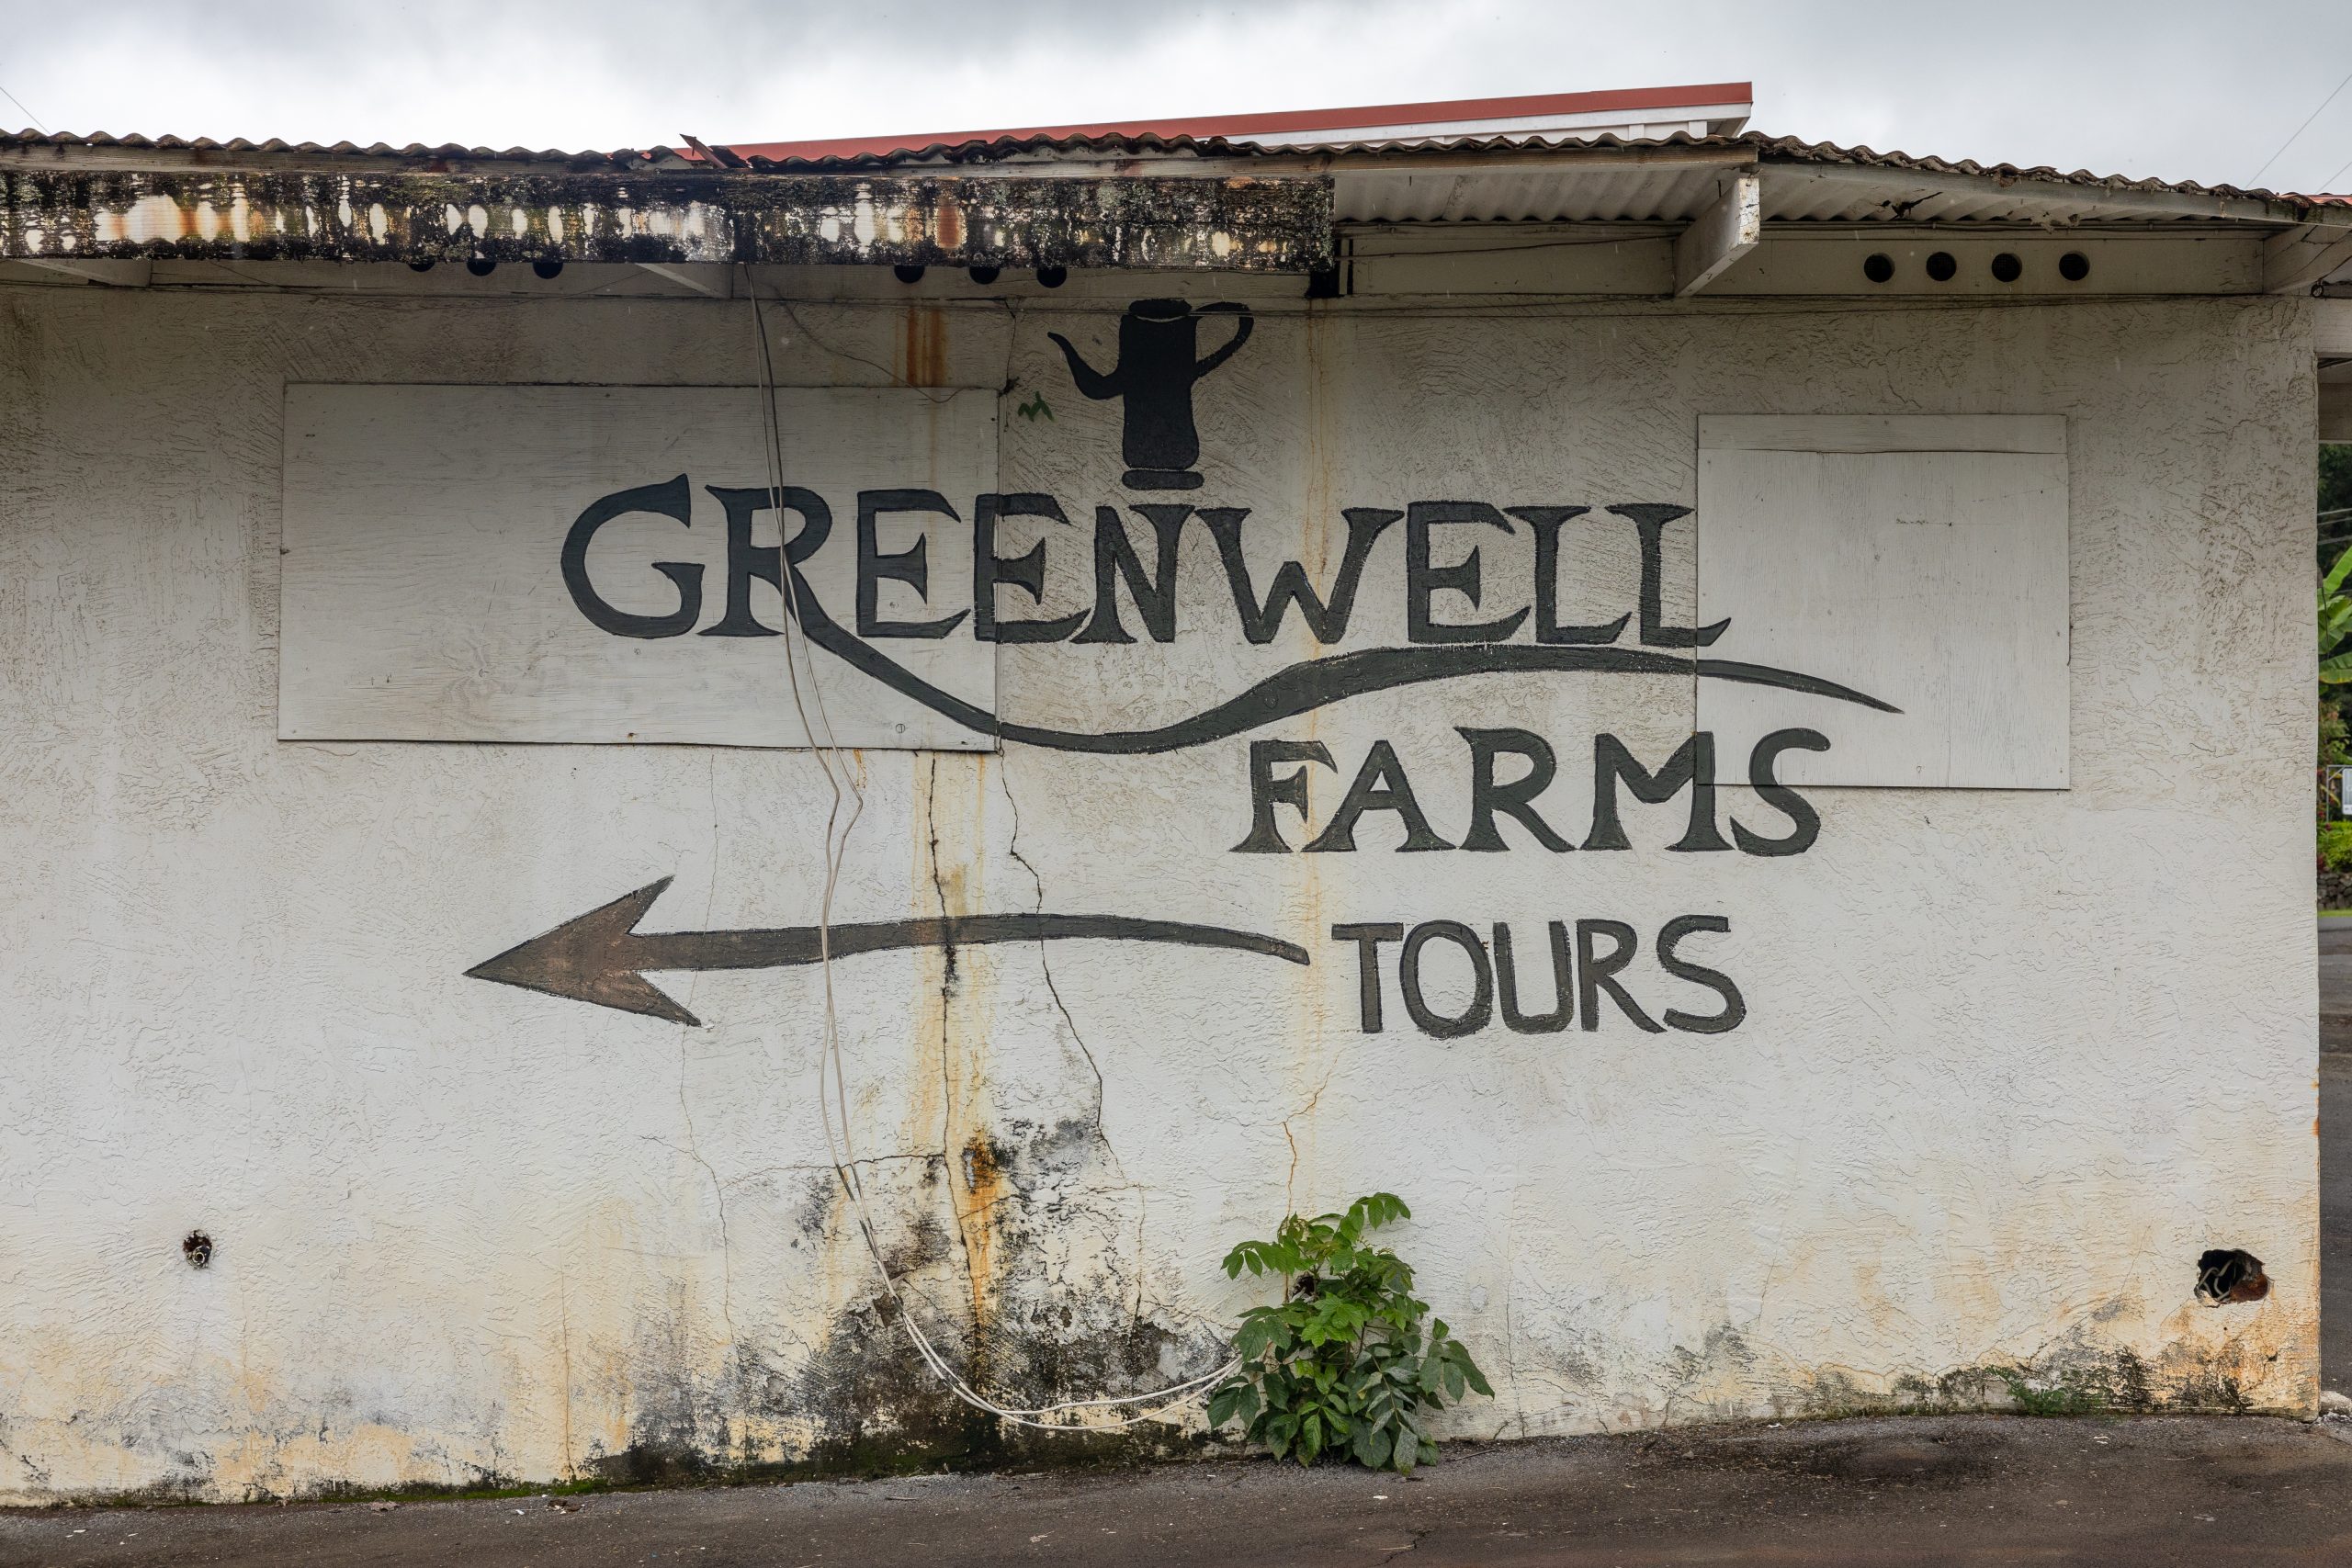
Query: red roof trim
pixel 1370 117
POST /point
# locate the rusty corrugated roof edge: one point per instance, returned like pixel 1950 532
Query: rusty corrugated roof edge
pixel 1799 151
pixel 30 138
pixel 1782 148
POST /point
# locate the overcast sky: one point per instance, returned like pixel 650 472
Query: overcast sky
pixel 2182 89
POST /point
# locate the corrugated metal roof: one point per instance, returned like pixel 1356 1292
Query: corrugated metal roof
pixel 1718 106
pixel 1778 148
pixel 1567 178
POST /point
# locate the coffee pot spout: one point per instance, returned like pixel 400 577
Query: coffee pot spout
pixel 1091 382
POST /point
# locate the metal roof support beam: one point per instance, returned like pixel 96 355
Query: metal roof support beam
pixel 717 282
pixel 2298 258
pixel 1722 235
pixel 115 273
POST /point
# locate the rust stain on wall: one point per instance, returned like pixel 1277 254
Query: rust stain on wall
pixel 922 344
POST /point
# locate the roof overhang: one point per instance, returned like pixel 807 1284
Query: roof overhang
pixel 1084 202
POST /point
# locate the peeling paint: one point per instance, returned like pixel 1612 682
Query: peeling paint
pixel 1230 223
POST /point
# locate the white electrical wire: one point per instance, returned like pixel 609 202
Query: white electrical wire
pixel 848 791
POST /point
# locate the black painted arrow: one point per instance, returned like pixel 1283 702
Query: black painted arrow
pixel 601 958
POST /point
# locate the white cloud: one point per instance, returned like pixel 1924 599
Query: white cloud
pixel 2176 88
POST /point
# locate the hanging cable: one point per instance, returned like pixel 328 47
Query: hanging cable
pixel 28 114
pixel 833 1095
pixel 2300 129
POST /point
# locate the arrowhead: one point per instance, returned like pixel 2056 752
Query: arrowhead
pixel 590 960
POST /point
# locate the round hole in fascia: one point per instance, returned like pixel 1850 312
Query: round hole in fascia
pixel 1878 267
pixel 2006 267
pixel 2074 266
pixel 1052 277
pixel 1942 267
pixel 984 276
pixel 480 266
pixel 907 272
pixel 547 268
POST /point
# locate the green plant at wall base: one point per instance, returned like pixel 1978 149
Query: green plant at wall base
pixel 2336 846
pixel 1342 1365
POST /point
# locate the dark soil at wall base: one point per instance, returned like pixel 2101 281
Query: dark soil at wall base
pixel 1909 1491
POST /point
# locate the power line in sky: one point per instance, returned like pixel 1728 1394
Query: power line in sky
pixel 28 113
pixel 2300 129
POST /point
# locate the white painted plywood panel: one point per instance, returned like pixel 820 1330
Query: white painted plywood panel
pixel 1919 559
pixel 423 596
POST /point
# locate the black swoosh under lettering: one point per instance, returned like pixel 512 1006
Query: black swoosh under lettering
pixel 1310 685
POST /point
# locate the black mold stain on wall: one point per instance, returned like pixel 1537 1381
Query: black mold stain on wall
pixel 1025 1338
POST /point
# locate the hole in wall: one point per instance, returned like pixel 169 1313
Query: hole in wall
pixel 1053 276
pixel 2074 266
pixel 2230 1274
pixel 984 276
pixel 197 1249
pixel 421 264
pixel 1878 268
pixel 480 266
pixel 2006 269
pixel 1942 267
pixel 548 267
pixel 907 272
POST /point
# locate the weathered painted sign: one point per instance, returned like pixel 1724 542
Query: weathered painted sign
pixel 504 563
pixel 1967 592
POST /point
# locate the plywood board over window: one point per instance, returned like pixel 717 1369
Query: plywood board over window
pixel 1918 559
pixel 599 564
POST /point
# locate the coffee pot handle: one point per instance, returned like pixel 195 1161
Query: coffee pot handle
pixel 1240 335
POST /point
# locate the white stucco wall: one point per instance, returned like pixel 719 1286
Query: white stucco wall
pixel 2012 1059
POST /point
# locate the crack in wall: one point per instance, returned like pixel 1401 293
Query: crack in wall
pixel 563 1320
pixel 947 1079
pixel 827 1166
pixel 1046 969
pixel 1511 1333
pixel 1290 1182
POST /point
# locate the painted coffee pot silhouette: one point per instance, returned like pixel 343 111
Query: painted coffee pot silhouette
pixel 1157 341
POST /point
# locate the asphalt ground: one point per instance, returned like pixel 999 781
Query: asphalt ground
pixel 2335 1153
pixel 2336 983
pixel 1985 1489
pixel 1913 1491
